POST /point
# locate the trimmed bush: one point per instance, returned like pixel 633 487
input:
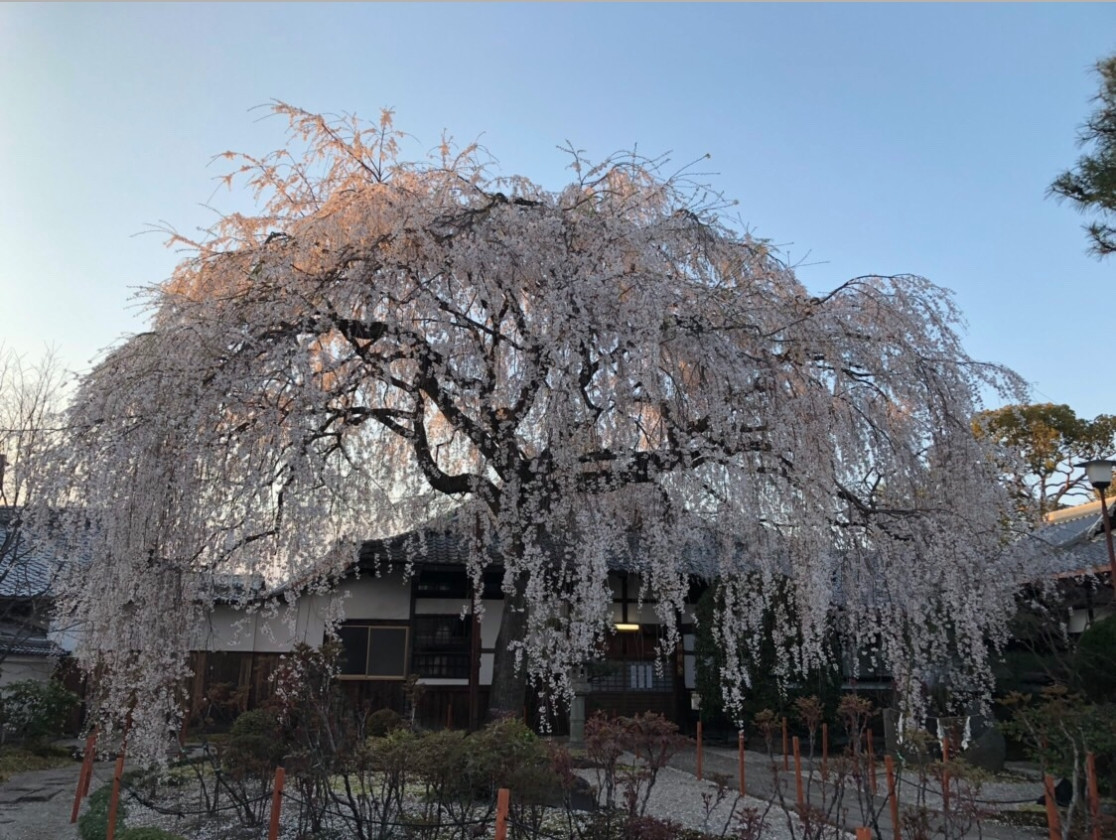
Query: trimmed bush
pixel 383 722
pixel 35 711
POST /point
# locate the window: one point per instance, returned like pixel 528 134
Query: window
pixel 373 651
pixel 442 645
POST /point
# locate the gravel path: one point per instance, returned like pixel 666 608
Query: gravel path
pixel 37 805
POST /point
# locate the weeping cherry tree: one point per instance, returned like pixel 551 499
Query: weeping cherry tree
pixel 388 340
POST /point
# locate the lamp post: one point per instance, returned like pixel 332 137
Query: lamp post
pixel 1099 473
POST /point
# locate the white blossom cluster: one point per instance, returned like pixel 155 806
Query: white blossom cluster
pixel 609 373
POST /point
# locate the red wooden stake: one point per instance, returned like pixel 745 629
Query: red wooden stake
pixel 892 796
pixel 1094 796
pixel 83 776
pixel 800 796
pixel 276 803
pixel 786 747
pixel 871 765
pixel 945 774
pixel 1053 822
pixel 863 833
pixel 825 751
pixel 92 759
pixel 699 755
pixel 114 802
pixel 502 814
pixel 740 759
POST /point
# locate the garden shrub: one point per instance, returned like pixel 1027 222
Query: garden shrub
pixel 35 711
pixel 382 722
pixel 255 746
pixel 1095 660
pixel 93 824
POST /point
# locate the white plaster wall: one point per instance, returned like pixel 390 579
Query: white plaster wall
pixel 18 668
pixel 387 597
pixel 303 620
pixel 1079 619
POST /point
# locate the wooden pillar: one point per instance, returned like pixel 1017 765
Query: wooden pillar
pixel 800 795
pixel 786 747
pixel 276 803
pixel 502 814
pixel 86 772
pixel 740 760
pixel 699 746
pixel 1053 821
pixel 825 751
pixel 892 797
pixel 1093 794
pixel 114 800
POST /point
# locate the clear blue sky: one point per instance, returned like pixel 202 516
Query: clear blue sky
pixel 861 138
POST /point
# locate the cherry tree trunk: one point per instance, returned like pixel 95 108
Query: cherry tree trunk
pixel 509 684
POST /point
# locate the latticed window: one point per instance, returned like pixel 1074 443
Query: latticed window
pixel 373 651
pixel 442 645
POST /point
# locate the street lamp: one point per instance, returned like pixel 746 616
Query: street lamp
pixel 1099 473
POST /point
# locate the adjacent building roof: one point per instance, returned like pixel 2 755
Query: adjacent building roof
pixel 1072 543
pixel 27 569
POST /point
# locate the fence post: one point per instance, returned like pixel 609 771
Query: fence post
pixel 892 797
pixel 114 801
pixel 502 814
pixel 871 764
pixel 92 759
pixel 1094 795
pixel 740 758
pixel 945 775
pixel 786 747
pixel 799 794
pixel 825 751
pixel 1053 822
pixel 86 771
pixel 276 803
pixel 699 752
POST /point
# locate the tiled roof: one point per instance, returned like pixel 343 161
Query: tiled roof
pixel 444 541
pixel 17 640
pixel 1072 543
pixel 27 570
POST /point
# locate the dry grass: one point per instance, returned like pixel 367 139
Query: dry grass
pixel 21 760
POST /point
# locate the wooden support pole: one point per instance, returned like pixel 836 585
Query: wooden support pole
pixel 892 797
pixel 800 795
pixel 699 750
pixel 92 759
pixel 449 714
pixel 825 751
pixel 786 747
pixel 871 765
pixel 740 760
pixel 86 772
pixel 502 814
pixel 1094 795
pixel 276 803
pixel 1053 821
pixel 114 801
pixel 945 774
pixel 863 833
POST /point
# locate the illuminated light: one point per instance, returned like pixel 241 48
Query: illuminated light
pixel 627 628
